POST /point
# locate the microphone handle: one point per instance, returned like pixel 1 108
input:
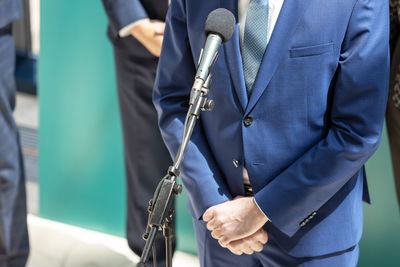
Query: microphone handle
pixel 208 56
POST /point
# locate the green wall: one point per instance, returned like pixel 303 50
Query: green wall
pixel 81 169
pixel 81 161
pixel 81 157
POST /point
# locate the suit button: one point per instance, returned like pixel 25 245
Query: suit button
pixel 314 213
pixel 303 224
pixel 235 163
pixel 248 121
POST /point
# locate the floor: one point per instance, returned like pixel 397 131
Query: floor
pixel 59 245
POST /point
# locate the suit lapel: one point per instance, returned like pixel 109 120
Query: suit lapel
pixel 233 56
pixel 289 17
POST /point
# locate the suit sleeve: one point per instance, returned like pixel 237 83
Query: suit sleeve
pixel 357 113
pixel 175 75
pixel 123 12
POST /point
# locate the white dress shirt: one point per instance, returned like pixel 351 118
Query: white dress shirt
pixel 275 7
pixel 126 31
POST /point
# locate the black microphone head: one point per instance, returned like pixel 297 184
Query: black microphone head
pixel 222 22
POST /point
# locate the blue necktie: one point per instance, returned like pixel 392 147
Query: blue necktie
pixel 255 40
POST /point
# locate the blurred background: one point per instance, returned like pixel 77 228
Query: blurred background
pixel 73 148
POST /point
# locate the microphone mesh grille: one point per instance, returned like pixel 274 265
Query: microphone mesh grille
pixel 222 22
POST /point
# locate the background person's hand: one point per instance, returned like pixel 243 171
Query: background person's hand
pixel 250 244
pixel 234 220
pixel 150 34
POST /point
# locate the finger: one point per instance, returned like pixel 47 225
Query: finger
pixel 251 243
pixel 247 250
pixel 256 246
pixel 222 245
pixel 231 236
pixel 216 234
pixel 157 41
pixel 208 215
pixel 262 236
pixel 236 252
pixel 225 240
pixel 235 248
pixel 243 246
pixel 235 245
pixel 214 224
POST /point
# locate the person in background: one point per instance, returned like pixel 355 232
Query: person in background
pixel 136 30
pixel 14 243
pixel 300 95
pixel 393 108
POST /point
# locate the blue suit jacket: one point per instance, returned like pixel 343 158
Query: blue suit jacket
pixel 10 10
pixel 317 106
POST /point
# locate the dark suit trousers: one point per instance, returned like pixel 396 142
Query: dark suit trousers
pixel 146 157
pixel 393 117
pixel 14 245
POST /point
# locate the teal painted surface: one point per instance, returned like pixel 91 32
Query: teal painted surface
pixel 81 170
pixel 81 161
pixel 380 244
pixel 81 158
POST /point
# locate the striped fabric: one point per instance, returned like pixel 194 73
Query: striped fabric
pixel 10 10
pixel 396 91
pixel 14 246
pixel 394 37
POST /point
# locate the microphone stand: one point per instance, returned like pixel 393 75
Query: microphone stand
pixel 161 208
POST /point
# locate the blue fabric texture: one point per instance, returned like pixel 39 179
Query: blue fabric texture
pixel 14 245
pixel 317 108
pixel 10 10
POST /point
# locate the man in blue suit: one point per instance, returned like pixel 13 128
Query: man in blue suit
pixel 300 93
pixel 14 245
pixel 136 29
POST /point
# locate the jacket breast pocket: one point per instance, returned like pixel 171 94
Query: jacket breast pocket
pixel 314 50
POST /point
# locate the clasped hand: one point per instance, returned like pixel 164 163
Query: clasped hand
pixel 150 34
pixel 237 225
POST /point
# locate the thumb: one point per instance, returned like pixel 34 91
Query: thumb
pixel 208 215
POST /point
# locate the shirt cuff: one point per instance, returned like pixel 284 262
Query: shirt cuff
pixel 126 31
pixel 255 201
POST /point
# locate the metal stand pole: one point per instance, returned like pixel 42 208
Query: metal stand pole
pixel 168 233
pixel 161 206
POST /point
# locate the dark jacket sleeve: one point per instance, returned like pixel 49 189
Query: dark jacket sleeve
pixel 394 23
pixel 123 12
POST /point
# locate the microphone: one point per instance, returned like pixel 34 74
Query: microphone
pixel 219 28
